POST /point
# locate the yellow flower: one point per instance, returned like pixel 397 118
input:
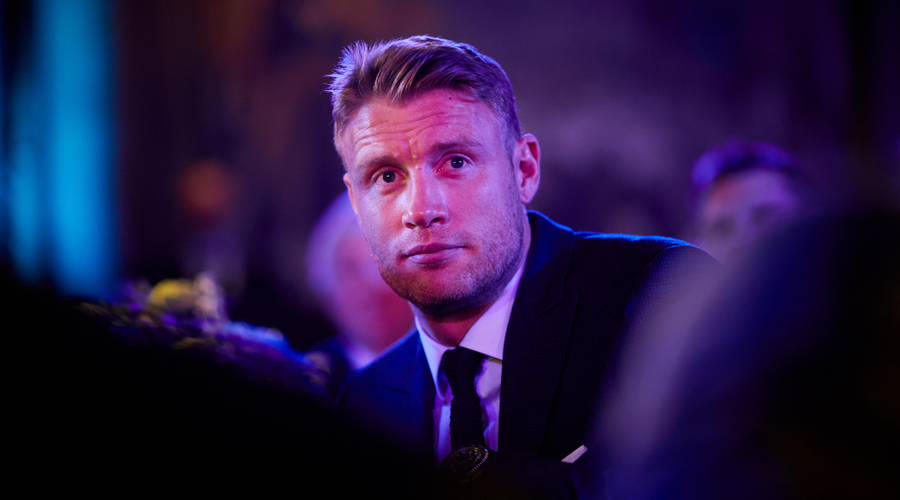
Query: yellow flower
pixel 173 294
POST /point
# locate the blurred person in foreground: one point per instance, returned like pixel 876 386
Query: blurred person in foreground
pixel 106 410
pixel 744 191
pixel 509 306
pixel 785 385
pixel 369 316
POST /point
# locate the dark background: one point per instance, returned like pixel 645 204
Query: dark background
pixel 622 95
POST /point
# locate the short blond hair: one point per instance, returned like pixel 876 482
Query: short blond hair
pixel 404 68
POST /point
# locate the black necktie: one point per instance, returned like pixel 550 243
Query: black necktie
pixel 461 365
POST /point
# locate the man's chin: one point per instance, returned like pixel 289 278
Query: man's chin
pixel 444 304
pixel 448 308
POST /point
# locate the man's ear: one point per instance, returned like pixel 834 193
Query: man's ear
pixel 527 167
pixel 350 192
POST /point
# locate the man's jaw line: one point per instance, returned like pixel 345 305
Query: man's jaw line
pixel 450 328
pixel 450 321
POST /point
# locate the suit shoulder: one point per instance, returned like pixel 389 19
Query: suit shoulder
pixel 626 248
pixel 629 241
pixel 398 362
pixel 401 353
pixel 618 258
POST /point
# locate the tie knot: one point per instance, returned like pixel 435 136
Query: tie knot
pixel 461 365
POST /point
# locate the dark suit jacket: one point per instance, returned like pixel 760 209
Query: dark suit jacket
pixel 577 295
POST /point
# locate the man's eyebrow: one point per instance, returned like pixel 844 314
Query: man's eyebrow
pixel 456 144
pixel 375 162
pixel 438 148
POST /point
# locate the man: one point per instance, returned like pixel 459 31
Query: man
pixel 746 190
pixel 369 316
pixel 439 173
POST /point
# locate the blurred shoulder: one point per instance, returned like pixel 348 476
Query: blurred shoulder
pixel 626 253
pixel 396 362
pixel 633 244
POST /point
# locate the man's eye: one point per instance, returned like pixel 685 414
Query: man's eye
pixel 388 176
pixel 457 162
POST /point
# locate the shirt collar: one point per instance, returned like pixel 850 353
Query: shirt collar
pixel 485 336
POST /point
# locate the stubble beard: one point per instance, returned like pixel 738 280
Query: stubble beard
pixel 479 284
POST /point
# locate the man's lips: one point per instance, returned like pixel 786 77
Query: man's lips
pixel 431 253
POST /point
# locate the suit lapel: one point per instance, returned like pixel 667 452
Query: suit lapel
pixel 408 392
pixel 537 338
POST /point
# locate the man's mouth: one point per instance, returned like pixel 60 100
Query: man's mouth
pixel 431 253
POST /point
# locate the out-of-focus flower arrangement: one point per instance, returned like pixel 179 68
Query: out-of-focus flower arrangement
pixel 191 315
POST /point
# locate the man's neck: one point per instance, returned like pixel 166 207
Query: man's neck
pixel 451 330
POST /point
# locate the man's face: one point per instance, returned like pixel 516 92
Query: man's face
pixel 439 199
pixel 742 207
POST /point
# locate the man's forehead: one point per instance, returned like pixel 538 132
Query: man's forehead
pixel 460 118
pixel 381 110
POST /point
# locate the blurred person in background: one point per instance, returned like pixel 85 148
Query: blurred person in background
pixel 784 385
pixel 208 196
pixel 746 190
pixel 369 316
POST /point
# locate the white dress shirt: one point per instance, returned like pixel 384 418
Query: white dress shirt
pixel 485 336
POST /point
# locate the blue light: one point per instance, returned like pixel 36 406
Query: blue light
pixel 74 50
pixel 24 195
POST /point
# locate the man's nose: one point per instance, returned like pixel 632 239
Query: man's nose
pixel 426 202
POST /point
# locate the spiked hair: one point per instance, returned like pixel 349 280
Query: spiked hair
pixel 404 68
